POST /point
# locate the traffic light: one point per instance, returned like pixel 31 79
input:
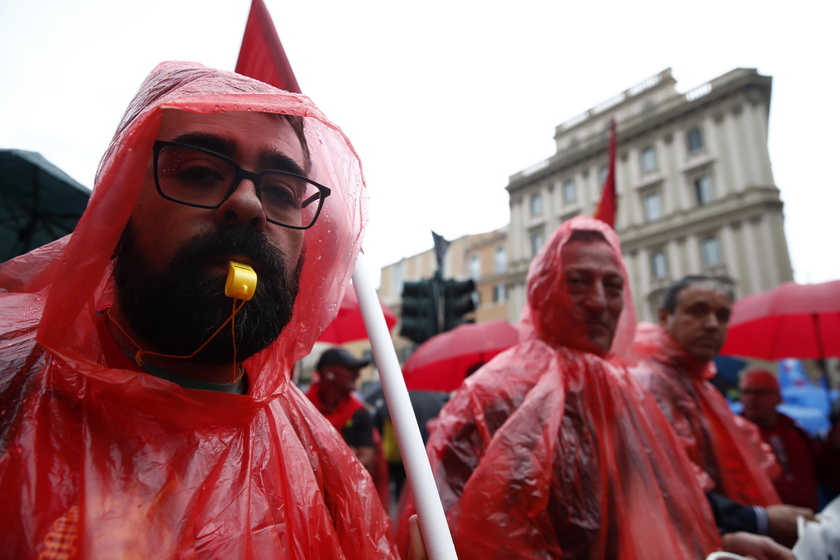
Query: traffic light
pixel 457 302
pixel 419 311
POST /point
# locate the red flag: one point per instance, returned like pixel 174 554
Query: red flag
pixel 607 206
pixel 262 56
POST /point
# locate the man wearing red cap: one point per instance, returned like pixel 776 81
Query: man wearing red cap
pixel 796 452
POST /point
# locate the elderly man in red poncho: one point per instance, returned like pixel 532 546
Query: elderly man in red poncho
pixel 731 460
pixel 550 450
pixel 146 411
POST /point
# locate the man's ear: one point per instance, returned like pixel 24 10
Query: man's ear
pixel 663 318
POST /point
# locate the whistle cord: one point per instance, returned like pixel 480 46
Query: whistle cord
pixel 138 357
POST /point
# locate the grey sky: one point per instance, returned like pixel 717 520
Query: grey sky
pixel 443 100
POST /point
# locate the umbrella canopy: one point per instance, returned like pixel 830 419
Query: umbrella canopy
pixel 441 363
pixel 791 321
pixel 348 325
pixel 39 203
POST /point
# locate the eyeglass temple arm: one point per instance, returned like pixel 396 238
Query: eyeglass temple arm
pixel 310 200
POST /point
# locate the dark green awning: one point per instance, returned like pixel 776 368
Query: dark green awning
pixel 39 203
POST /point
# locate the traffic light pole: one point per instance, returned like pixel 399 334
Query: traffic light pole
pixel 440 309
pixel 436 535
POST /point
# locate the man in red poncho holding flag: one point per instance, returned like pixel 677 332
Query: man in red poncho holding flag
pixel 146 409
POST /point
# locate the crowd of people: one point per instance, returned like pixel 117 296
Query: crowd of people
pixel 146 407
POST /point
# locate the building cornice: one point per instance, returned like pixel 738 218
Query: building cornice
pixel 736 207
pixel 747 81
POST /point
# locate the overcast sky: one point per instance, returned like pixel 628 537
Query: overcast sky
pixel 443 100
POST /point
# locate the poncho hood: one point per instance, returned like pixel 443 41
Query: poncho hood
pixel 542 317
pixel 82 261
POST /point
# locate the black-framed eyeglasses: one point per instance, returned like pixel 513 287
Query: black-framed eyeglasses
pixel 202 178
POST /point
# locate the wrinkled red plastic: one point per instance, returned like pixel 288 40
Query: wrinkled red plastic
pixel 552 452
pixel 726 447
pixel 108 463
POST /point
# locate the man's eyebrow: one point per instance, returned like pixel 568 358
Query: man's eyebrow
pixel 272 159
pixel 212 142
pixel 269 159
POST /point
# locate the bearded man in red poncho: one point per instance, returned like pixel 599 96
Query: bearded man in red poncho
pixel 146 411
pixel 550 450
pixel 731 460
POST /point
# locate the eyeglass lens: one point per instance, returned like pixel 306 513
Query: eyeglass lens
pixel 200 178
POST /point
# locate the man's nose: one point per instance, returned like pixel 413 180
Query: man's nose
pixel 596 298
pixel 243 208
pixel 711 321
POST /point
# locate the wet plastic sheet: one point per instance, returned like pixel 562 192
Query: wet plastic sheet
pixel 552 452
pixel 107 463
pixel 726 447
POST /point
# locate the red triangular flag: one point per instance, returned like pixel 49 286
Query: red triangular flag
pixel 607 206
pixel 262 56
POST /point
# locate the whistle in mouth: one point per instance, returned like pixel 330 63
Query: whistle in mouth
pixel 241 281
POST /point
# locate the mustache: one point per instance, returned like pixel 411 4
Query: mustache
pixel 268 261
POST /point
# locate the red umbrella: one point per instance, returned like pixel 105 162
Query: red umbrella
pixel 441 363
pixel 791 321
pixel 348 325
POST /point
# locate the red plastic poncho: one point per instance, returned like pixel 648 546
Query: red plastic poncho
pixel 109 463
pixel 725 446
pixel 338 417
pixel 553 452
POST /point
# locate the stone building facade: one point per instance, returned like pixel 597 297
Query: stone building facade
pixel 695 187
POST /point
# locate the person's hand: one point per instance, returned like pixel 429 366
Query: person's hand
pixel 783 525
pixel 755 546
pixel 416 546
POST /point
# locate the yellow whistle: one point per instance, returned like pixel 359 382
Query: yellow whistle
pixel 241 281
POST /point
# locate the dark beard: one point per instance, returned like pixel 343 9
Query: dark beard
pixel 177 311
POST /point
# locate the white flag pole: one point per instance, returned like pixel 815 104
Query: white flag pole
pixel 436 535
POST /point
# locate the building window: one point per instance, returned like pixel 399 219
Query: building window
pixel 694 139
pixel 475 267
pixel 537 241
pixel 659 264
pixel 648 160
pixel 653 206
pixel 703 190
pixel 710 252
pixel 536 204
pixel 569 191
pixel 500 293
pixel 500 260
